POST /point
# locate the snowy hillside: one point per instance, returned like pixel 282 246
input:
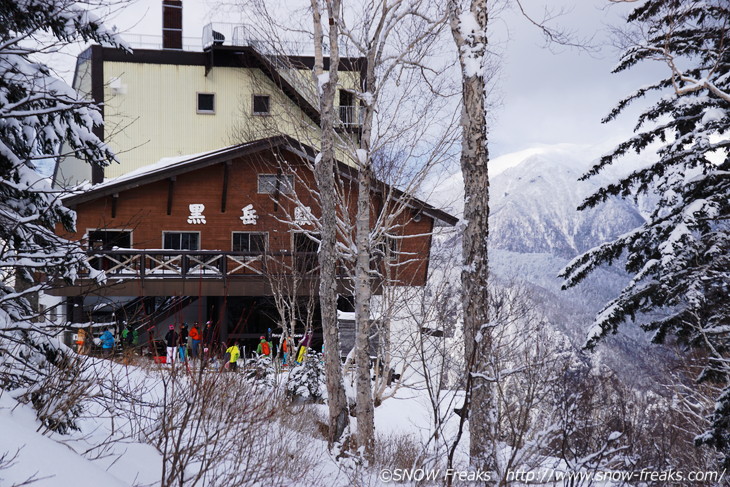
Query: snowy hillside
pixel 534 196
pixel 534 208
pixel 535 229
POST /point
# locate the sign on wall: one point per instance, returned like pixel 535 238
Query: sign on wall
pixel 196 214
pixel 249 215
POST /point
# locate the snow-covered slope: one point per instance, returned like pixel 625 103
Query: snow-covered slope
pixel 534 208
pixel 535 229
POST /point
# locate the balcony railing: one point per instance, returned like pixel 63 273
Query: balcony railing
pixel 200 264
pixel 351 116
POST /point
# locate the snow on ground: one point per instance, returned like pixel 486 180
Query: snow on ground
pixel 57 460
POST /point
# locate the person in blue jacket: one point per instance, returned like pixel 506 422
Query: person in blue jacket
pixel 107 342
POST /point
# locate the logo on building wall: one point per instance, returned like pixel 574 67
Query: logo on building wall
pixel 196 214
pixel 249 215
pixel 303 216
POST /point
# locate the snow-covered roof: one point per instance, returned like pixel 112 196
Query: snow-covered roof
pixel 162 166
pixel 169 166
pixel 172 166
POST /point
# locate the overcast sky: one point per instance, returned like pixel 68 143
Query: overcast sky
pixel 545 96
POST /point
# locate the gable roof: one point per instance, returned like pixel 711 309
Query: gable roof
pixel 173 166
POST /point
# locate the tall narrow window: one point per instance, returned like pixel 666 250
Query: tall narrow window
pixel 347 108
pixel 305 251
pixel 206 102
pixel 387 249
pixel 181 240
pixel 261 105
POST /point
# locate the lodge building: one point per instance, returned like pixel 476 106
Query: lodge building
pixel 218 234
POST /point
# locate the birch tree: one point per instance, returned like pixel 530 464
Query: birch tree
pixel 394 38
pixel 373 38
pixel 324 172
pixel 469 29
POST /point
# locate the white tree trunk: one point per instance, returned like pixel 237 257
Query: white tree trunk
pixel 474 157
pixel 324 173
pixel 363 289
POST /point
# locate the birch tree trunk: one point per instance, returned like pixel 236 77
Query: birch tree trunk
pixel 365 410
pixel 324 172
pixel 469 29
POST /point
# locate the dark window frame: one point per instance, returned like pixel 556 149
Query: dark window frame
pixel 253 105
pixel 388 249
pixel 278 188
pixel 265 236
pixel 173 232
pixel 197 103
pixel 91 241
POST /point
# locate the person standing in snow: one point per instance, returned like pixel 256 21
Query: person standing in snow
pixel 304 347
pixel 81 341
pixel 183 342
pixel 127 337
pixel 107 343
pixel 233 353
pixel 264 347
pixel 171 343
pixel 195 338
pixel 208 333
pixel 285 347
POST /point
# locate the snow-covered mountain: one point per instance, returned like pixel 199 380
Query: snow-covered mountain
pixel 535 229
pixel 534 208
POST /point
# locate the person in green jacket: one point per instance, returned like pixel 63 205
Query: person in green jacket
pixel 233 353
pixel 264 347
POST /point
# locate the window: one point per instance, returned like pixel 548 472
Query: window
pixel 387 249
pixel 108 239
pixel 261 105
pixel 276 183
pixel 347 112
pixel 206 102
pixel 305 251
pixel 181 240
pixel 100 240
pixel 249 242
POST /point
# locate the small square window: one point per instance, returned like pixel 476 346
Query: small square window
pixel 276 183
pixel 387 249
pixel 206 102
pixel 261 105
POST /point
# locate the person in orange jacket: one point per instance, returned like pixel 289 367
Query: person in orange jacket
pixel 264 347
pixel 195 338
pixel 81 341
pixel 285 345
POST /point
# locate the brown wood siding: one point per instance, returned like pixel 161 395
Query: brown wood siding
pixel 144 210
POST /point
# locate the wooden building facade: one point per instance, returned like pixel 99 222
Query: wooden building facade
pixel 223 231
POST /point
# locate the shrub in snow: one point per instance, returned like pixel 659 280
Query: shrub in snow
pixel 56 387
pixel 261 371
pixel 307 379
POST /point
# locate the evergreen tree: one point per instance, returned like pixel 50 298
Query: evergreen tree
pixel 680 257
pixel 39 114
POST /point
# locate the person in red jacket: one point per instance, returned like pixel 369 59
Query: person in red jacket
pixel 195 338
